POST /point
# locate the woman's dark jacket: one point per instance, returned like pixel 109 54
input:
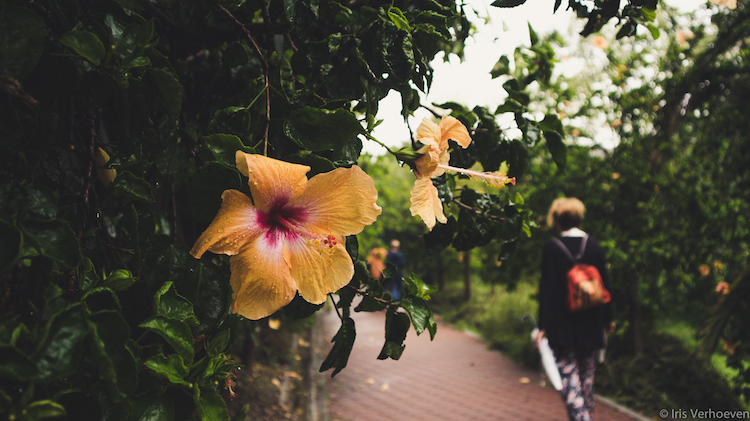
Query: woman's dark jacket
pixel 581 331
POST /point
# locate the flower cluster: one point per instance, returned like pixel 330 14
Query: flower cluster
pixel 425 201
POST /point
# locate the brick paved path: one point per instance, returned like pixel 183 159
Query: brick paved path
pixel 455 377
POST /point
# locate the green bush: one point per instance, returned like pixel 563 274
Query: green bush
pixel 667 375
pixel 495 314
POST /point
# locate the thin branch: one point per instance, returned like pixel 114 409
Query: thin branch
pixel 477 212
pixel 264 63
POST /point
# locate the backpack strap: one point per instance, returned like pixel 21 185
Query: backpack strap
pixel 578 256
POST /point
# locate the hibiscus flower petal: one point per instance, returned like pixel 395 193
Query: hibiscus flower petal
pixel 340 202
pixel 426 203
pixel 320 270
pixel 451 128
pixel 272 182
pixel 427 131
pixel 261 279
pixel 427 163
pixel 233 227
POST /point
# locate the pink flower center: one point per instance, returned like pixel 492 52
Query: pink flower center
pixel 285 223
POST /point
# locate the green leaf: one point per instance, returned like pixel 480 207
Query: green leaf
pixel 319 129
pixel 88 277
pixel 60 352
pixel 396 327
pixel 10 246
pixel 370 304
pixel 234 55
pixel 421 315
pixel 508 3
pixel 441 236
pixel 170 89
pixel 119 280
pixel 398 18
pixel 502 67
pixel 44 409
pixel 557 148
pixel 85 44
pixel 551 122
pixel 16 365
pixel 176 333
pixel 169 303
pixel 300 309
pixel 209 404
pixel 224 148
pixel 534 38
pixel 170 367
pixel 205 187
pixel 218 343
pixel 53 239
pixel 152 408
pixel 655 32
pixel 109 333
pixel 133 187
pixel 22 35
pixel 415 286
pixel 342 347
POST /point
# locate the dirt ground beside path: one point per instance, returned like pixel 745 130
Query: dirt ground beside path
pixel 455 377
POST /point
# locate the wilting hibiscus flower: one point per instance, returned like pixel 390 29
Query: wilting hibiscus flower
pixel 291 236
pixel 425 201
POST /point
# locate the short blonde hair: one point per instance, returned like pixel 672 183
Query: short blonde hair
pixel 566 213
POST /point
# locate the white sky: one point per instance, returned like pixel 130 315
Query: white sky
pixel 499 32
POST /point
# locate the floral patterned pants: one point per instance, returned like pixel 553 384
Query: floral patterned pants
pixel 577 373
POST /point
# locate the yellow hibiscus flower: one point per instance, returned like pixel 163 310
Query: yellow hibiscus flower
pixel 425 201
pixel 291 236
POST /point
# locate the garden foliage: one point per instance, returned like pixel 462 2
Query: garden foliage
pixel 120 120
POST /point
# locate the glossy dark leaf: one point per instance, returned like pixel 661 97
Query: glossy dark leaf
pixel 38 410
pixel 557 148
pixel 109 335
pixel 370 304
pixel 85 44
pixel 441 236
pixel 53 239
pixel 508 3
pixel 343 342
pixel 396 328
pixel 176 333
pixel 16 365
pixel 22 34
pixel 133 188
pixel 170 89
pixel 420 314
pixel 169 303
pixel 170 367
pixel 300 309
pixel 60 352
pixel 319 130
pixel 209 404
pixel 502 67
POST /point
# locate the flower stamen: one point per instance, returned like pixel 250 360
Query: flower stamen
pixel 495 179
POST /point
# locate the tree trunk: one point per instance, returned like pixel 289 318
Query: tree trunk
pixel 467 275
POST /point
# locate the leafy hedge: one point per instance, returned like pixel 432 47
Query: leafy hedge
pixel 119 122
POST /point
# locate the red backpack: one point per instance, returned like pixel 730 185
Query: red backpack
pixel 585 286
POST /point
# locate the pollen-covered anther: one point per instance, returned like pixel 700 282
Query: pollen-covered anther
pixel 330 241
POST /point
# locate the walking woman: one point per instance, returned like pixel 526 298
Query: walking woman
pixel 575 337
